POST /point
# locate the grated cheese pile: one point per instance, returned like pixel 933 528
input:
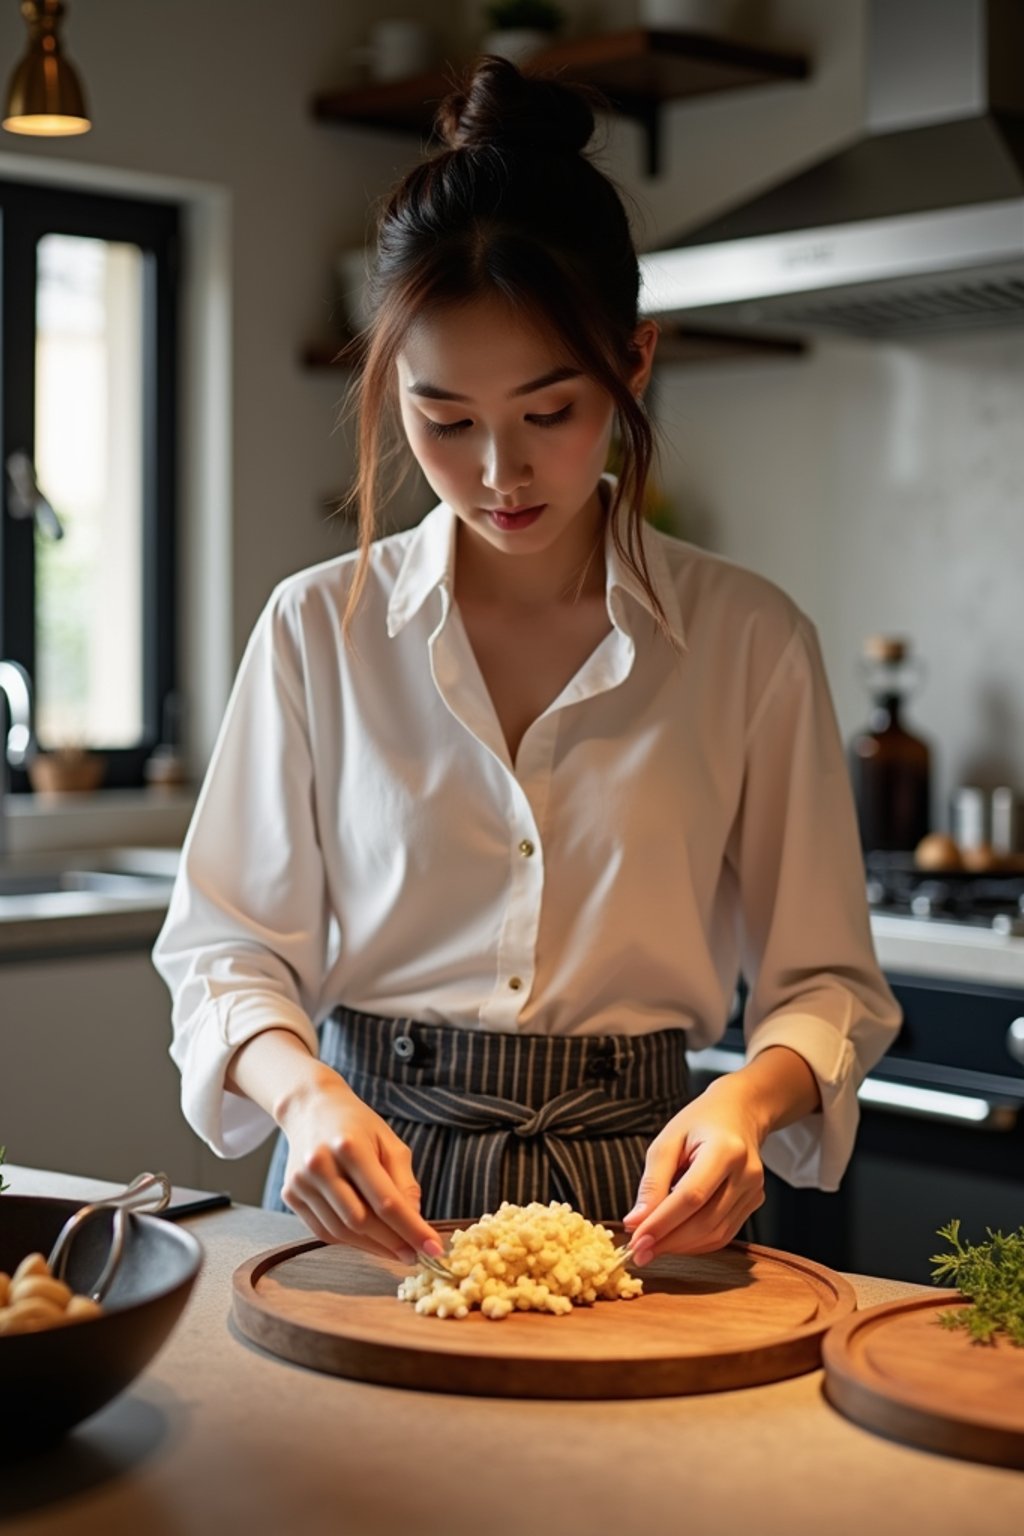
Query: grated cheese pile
pixel 532 1258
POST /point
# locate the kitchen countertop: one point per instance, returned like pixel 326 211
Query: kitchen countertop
pixel 219 1436
pixel 956 951
pixel 44 924
pixel 111 931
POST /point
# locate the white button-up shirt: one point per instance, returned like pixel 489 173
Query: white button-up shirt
pixel 673 818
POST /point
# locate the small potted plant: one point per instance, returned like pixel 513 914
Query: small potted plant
pixel 520 28
pixel 67 770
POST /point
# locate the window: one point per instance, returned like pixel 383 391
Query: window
pixel 87 567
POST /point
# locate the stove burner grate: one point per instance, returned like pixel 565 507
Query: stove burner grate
pixel 996 901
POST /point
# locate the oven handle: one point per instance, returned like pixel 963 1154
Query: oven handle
pixel 973 1110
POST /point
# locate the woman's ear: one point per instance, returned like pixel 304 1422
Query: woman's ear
pixel 645 340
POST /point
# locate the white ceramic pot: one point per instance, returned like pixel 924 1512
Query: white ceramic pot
pixel 515 43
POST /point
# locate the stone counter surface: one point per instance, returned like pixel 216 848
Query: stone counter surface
pixel 217 1436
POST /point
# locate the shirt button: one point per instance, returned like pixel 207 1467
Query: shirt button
pixel 514 983
pixel 526 848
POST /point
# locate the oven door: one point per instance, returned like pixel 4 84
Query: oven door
pixel 938 1138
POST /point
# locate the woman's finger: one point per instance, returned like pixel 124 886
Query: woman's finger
pixel 324 1174
pixel 331 1234
pixel 340 1209
pixel 305 1215
pixel 709 1168
pixel 660 1168
pixel 397 1160
pixel 301 1193
pixel 392 1206
pixel 714 1226
pixel 323 1219
pixel 692 1232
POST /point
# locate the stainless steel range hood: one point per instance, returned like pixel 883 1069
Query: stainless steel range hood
pixel 917 227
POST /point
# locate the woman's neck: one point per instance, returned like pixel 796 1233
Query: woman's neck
pixel 566 572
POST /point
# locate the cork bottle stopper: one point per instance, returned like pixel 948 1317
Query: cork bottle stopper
pixel 890 648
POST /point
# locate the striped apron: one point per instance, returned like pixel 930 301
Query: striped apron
pixel 491 1117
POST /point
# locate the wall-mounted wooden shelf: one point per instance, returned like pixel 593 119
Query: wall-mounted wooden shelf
pixel 638 70
pixel 679 344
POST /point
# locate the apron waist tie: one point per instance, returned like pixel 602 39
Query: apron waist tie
pixel 580 1112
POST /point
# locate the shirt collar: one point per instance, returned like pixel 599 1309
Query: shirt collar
pixel 621 579
pixel 427 567
pixel 429 564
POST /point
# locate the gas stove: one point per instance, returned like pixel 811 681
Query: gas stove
pixel 983 900
pixel 956 925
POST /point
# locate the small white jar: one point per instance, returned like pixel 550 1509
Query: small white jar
pixel 685 15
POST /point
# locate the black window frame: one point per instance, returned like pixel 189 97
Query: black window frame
pixel 28 211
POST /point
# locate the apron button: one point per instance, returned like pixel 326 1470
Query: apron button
pixel 404 1047
pixel 603 1064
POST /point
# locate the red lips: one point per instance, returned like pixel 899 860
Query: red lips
pixel 514 518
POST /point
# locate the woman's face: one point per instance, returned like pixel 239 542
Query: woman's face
pixel 505 428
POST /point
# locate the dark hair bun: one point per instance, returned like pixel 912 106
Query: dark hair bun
pixel 501 108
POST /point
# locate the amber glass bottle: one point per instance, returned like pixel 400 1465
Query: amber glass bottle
pixel 889 766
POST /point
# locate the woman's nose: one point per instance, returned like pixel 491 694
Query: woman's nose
pixel 505 469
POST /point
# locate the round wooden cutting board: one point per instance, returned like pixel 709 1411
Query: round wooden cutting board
pixel 735 1318
pixel 893 1369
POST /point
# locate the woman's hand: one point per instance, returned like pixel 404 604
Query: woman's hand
pixel 704 1176
pixel 348 1175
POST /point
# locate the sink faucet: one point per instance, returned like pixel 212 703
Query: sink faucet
pixel 17 749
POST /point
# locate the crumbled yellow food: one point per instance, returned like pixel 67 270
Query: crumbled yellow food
pixel 31 1299
pixel 532 1258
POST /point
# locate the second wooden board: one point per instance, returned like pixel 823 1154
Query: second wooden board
pixel 893 1369
pixel 736 1318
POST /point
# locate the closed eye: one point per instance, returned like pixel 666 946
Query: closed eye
pixel 450 429
pixel 553 420
pixel 443 429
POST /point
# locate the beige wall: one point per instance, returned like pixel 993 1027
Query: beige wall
pixel 883 486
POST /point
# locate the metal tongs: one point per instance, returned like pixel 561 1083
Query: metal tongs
pixel 149 1192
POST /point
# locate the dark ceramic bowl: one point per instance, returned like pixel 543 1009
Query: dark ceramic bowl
pixel 51 1380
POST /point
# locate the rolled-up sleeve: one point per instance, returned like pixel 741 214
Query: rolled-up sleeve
pixel 244 942
pixel 806 947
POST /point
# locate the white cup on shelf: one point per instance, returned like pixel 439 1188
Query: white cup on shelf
pixel 685 15
pixel 397 50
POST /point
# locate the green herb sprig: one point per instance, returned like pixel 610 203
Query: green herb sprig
pixel 3 1182
pixel 991 1275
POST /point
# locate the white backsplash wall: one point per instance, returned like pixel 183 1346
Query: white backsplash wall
pixel 882 485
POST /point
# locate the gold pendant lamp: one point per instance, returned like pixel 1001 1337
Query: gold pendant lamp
pixel 44 96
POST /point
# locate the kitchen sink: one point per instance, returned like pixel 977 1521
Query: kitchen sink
pixel 100 881
pixel 85 882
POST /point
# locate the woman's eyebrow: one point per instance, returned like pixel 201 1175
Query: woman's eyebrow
pixel 556 376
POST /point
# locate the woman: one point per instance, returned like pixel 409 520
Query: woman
pixel 501 805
